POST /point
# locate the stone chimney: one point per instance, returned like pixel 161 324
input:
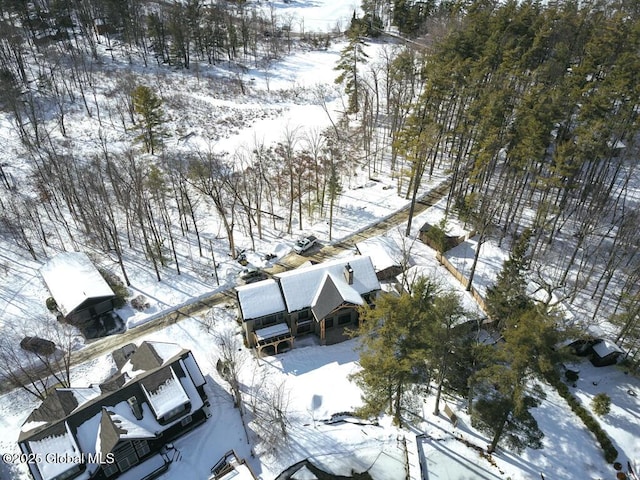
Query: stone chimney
pixel 348 274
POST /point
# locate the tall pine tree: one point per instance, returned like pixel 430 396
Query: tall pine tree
pixel 351 57
pixel 148 106
pixel 393 344
pixel 508 297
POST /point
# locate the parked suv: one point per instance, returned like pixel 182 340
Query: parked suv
pixel 305 243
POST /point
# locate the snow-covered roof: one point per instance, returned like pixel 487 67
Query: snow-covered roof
pixel 165 350
pixel 259 299
pixel 72 278
pixel 61 446
pixel 605 348
pixel 301 286
pixel 383 251
pixel 237 470
pixel 167 396
pixel 128 428
pixel 272 331
pixel 83 395
pixel 190 366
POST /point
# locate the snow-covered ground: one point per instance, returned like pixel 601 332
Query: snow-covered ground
pixel 315 377
pixel 315 380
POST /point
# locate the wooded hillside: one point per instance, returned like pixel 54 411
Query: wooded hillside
pixel 531 109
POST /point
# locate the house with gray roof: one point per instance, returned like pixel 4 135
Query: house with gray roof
pixel 122 426
pixel 320 300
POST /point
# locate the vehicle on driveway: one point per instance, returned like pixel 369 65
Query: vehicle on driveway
pixel 38 345
pixel 305 243
pixel 251 275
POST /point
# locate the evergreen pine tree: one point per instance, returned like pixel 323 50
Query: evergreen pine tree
pixel 508 297
pixel 351 57
pixel 148 106
pixel 504 398
pixel 393 343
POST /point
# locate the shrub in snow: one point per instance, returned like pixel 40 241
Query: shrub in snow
pixel 601 404
pixel 116 285
pixel 52 306
pixel 140 303
pixel 571 376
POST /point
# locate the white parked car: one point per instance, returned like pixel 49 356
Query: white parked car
pixel 305 243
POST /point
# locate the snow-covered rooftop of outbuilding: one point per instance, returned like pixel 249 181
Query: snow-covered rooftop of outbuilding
pixel 383 251
pixel 260 299
pixel 239 472
pixel 606 347
pixel 55 446
pixel 72 278
pixel 300 286
pixel 168 396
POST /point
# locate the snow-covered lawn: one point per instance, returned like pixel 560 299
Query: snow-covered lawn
pixel 282 97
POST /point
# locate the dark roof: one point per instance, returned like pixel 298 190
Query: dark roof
pixel 328 299
pixel 156 379
pixel 63 404
pixel 331 296
pixel 113 383
pixel 145 358
pixel 109 433
pixel 58 404
pixel 114 427
pixel 121 355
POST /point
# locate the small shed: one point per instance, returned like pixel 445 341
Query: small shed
pixel 439 240
pixel 605 353
pixel 385 255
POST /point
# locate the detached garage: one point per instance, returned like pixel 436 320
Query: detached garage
pixel 83 297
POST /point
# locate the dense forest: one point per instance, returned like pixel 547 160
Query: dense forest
pixel 531 109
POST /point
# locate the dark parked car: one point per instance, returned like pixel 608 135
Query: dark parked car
pixel 251 275
pixel 38 345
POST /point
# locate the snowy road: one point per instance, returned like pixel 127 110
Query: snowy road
pixel 200 305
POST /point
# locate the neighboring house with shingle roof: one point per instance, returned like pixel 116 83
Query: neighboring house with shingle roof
pixel 321 299
pixel 122 425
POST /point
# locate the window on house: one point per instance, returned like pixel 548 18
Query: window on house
pixel 72 472
pixel 304 327
pixel 344 319
pixel 303 314
pixel 142 447
pixel 328 322
pixel 271 319
pixel 109 469
pixel 125 456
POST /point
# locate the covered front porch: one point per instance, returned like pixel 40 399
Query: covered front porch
pixel 273 340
